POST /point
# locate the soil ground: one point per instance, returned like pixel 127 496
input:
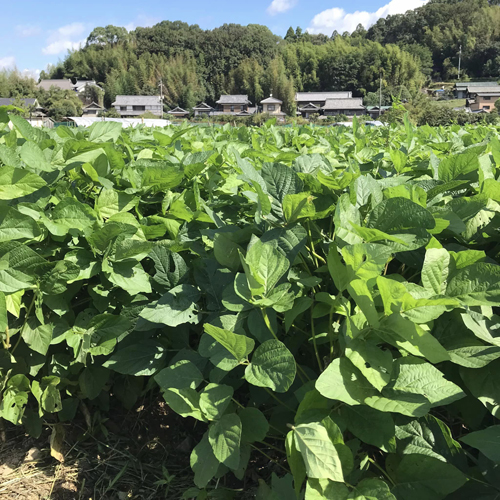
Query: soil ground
pixel 122 455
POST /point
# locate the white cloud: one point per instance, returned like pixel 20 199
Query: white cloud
pixel 7 62
pixel 27 30
pixel 32 73
pixel 65 38
pixel 338 19
pixel 280 6
pixel 142 21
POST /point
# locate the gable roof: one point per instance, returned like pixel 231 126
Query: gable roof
pixel 310 106
pixel 321 96
pixel 81 84
pixel 203 105
pixel 93 105
pixel 178 110
pixel 271 100
pixel 27 101
pixel 137 100
pixel 233 99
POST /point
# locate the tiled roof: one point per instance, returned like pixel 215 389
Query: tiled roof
pixel 233 99
pixel 271 100
pixel 203 105
pixel 321 96
pixel 8 101
pixel 137 100
pixel 60 84
pixel 352 103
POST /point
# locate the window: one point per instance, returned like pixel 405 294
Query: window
pixel 139 108
pixel 271 107
pixel 232 109
pixel 242 107
pixel 487 98
pixel 486 107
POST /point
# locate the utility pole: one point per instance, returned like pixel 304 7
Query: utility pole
pixel 161 96
pixel 380 97
pixel 459 61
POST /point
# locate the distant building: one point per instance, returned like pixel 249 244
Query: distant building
pixel 272 106
pixel 179 112
pixel 67 84
pixel 202 109
pixel 237 105
pixel 463 88
pixel 376 111
pixel 93 109
pixel 482 98
pixel 309 103
pixel 130 106
pixel 351 106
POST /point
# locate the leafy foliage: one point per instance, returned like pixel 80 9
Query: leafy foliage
pixel 332 291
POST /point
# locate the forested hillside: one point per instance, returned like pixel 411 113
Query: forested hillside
pixel 407 50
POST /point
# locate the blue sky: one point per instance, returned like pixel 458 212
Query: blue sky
pixel 35 34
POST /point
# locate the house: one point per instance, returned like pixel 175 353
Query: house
pixel 309 103
pixel 93 109
pixel 63 84
pixel 234 105
pixel 351 106
pixel 130 106
pixel 203 109
pixel 482 98
pixel 376 111
pixel 272 106
pixel 179 112
pixel 462 88
pixel 31 105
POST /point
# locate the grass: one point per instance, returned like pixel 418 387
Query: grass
pixel 452 103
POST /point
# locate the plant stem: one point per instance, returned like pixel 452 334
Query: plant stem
pixel 25 322
pixel 269 458
pixel 320 365
pixel 271 393
pixel 313 252
pixel 268 323
pixel 272 446
pixel 382 470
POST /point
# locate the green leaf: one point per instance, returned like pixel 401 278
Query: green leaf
pixel 435 270
pixel 70 217
pixel 37 336
pixel 105 131
pixel 16 226
pixel 420 476
pixel 272 366
pixel 487 441
pixel 203 462
pixel 225 437
pixel 16 183
pixel 323 489
pixel 455 166
pixel 418 377
pixel 371 489
pixel 374 363
pixel 111 202
pixel 318 452
pixel 371 426
pixel 138 359
pixel 254 425
pixel 185 402
pixel 92 380
pixel 226 251
pixel 476 285
pixel 182 374
pixel 298 206
pixel 176 307
pixel 214 400
pixel 240 346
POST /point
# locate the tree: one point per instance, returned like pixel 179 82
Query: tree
pixel 497 105
pixel 290 35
